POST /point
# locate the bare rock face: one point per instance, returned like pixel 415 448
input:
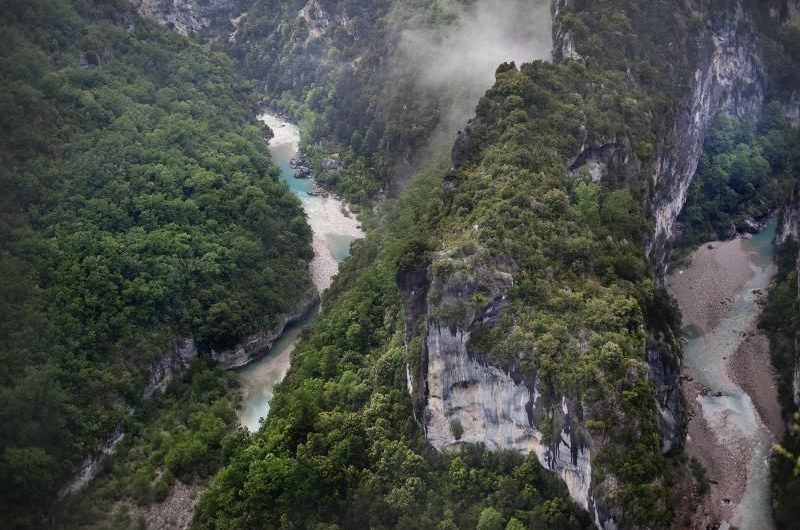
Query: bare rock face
pixel 187 16
pixel 563 43
pixel 665 374
pixel 729 77
pixel 172 363
pixel 789 222
pixel 461 398
pixel 465 145
pixel 613 156
pixel 92 465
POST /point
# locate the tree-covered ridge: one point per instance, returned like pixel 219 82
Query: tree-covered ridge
pixel 582 311
pixel 341 448
pixel 139 204
pixel 583 307
pixel 340 428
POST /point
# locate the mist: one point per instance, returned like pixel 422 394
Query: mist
pixel 458 61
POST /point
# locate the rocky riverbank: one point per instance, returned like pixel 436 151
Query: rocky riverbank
pixel 728 380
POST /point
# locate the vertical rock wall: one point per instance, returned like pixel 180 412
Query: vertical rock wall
pixel 729 77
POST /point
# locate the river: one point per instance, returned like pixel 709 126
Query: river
pixel 728 431
pixel 334 229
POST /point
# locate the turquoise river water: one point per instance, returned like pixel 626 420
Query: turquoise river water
pixel 727 408
pixel 334 231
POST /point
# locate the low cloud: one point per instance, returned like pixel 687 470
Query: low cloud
pixel 458 61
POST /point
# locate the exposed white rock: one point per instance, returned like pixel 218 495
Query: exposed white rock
pixel 316 18
pixel 791 109
pixel 729 79
pixel 258 344
pixel 92 465
pixel 796 380
pixel 186 16
pixel 789 226
pixel 175 361
pixel 493 410
pixel 563 43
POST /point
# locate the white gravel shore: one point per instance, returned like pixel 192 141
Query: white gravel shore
pixel 283 132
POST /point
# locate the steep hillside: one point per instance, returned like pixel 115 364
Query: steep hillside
pixel 141 223
pixel 526 314
pixel 384 84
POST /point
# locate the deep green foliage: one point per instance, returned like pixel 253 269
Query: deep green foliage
pixel 582 309
pixel 781 320
pixel 138 204
pixel 581 285
pixel 341 432
pixel 744 174
pixel 183 435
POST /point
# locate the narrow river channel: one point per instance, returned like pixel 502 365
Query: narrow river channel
pixel 334 229
pixel 727 375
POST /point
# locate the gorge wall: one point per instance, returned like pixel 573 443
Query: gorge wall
pixel 729 77
pixel 461 397
pixel 187 16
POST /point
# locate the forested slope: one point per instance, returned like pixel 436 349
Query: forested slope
pixel 528 271
pixel 139 205
pixel 384 84
pixel 578 318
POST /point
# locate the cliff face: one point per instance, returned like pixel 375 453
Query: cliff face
pixel 258 344
pixel 187 16
pixel 563 42
pixel 461 398
pixel 729 77
pixel 172 363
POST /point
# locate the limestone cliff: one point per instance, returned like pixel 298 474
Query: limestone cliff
pixel 563 43
pixel 461 398
pixel 188 16
pixel 729 77
pixel 172 363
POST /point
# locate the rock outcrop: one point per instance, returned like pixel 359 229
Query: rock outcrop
pixel 665 374
pixel 465 145
pixel 789 222
pixel 460 398
pixel 92 465
pixel 563 43
pixel 187 16
pixel 613 156
pixel 258 344
pixel 173 363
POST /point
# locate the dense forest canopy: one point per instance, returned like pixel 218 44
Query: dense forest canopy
pixel 139 205
pixel 140 208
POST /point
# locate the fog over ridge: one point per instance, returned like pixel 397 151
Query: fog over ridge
pixel 458 60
